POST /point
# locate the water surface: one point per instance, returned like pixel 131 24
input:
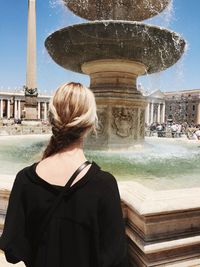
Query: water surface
pixel 160 164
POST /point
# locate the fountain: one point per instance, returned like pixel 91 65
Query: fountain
pixel 114 52
pixel 162 225
pixel 114 49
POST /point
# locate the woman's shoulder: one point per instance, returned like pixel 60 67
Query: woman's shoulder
pixel 107 176
pixel 106 180
pixel 23 174
pixel 109 195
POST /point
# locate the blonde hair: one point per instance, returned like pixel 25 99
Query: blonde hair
pixel 72 113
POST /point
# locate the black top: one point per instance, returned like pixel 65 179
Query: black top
pixel 86 230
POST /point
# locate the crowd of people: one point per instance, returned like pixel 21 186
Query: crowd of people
pixel 174 130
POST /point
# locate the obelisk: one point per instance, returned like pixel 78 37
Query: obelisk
pixel 31 86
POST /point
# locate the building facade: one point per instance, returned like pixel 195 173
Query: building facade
pixel 155 110
pixel 178 106
pixel 183 106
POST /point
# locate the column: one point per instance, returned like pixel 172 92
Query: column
pixel 8 108
pixel 45 110
pixel 15 109
pixel 198 113
pixel 163 113
pixel 147 114
pixel 1 109
pixel 19 109
pixel 152 109
pixel 39 111
pixel 158 114
pixel 31 46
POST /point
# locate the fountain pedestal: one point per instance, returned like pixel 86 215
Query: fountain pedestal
pixel 31 108
pixel 121 107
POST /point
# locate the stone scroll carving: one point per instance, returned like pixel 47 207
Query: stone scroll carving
pixel 102 123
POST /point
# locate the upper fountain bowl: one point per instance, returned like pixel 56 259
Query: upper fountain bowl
pixel 156 48
pixel 133 10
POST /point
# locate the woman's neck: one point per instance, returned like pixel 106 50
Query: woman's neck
pixel 74 151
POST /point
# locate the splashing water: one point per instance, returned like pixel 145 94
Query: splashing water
pixel 54 4
pixel 165 18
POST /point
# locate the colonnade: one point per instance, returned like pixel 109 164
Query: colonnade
pixel 6 112
pixel 198 113
pixel 17 109
pixel 155 113
pixel 43 106
pixel 7 103
pixel 1 108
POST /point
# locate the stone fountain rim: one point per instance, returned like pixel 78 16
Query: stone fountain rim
pixel 141 19
pixel 148 25
pixel 148 202
pixel 174 35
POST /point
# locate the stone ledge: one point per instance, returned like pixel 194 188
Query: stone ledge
pixel 4 263
pixel 147 202
pixel 163 227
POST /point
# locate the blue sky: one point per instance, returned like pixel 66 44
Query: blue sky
pixel 51 15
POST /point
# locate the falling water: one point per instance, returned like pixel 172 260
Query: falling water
pixel 165 18
pixel 155 81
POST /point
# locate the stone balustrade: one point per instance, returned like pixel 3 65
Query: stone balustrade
pixel 24 130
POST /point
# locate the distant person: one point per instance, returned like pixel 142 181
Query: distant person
pixel 50 225
pixel 179 130
pixel 193 136
pixel 173 130
pixel 159 129
pixel 198 133
pixel 152 129
pixel 164 130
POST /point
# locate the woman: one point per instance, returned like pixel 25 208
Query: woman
pixel 86 227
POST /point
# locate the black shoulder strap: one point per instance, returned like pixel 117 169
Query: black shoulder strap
pixel 57 201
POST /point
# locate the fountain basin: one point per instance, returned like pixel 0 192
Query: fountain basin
pixel 136 10
pixel 156 48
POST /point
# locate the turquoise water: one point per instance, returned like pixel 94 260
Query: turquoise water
pixel 160 164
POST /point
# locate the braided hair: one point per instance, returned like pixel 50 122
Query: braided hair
pixel 72 112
